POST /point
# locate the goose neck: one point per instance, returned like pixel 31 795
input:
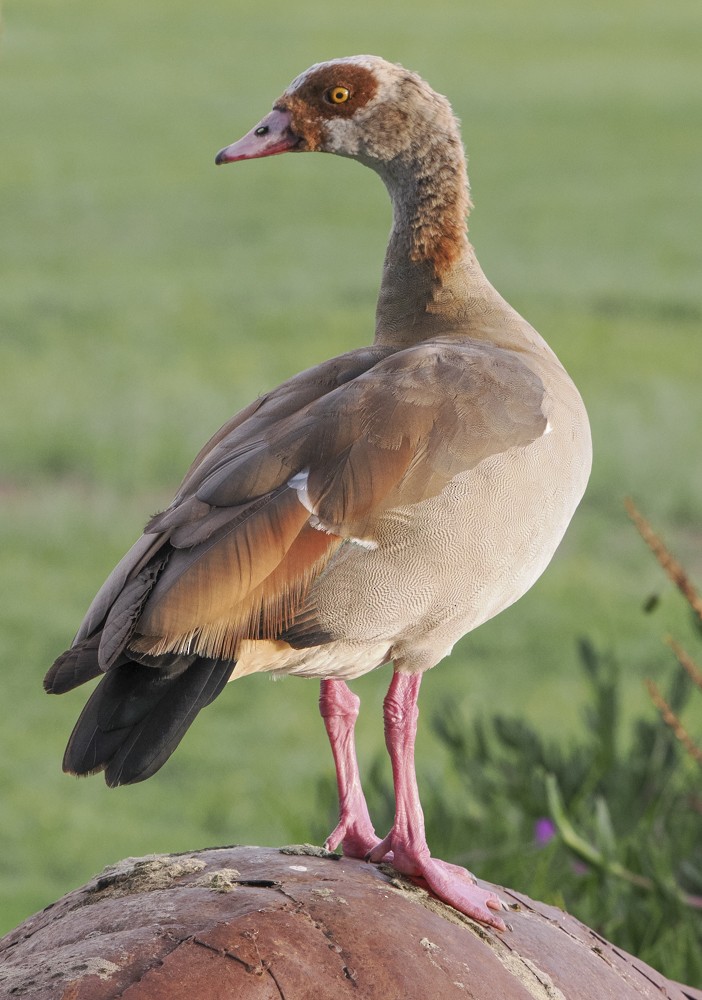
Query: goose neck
pixel 428 258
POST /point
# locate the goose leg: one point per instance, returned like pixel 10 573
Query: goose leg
pixel 407 840
pixel 339 706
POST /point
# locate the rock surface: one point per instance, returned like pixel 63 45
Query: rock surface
pixel 301 924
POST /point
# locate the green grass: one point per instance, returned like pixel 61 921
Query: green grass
pixel 145 296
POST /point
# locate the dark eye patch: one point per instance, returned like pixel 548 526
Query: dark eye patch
pixel 359 81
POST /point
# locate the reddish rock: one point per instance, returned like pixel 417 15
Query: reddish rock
pixel 299 924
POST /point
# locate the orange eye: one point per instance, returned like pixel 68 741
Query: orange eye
pixel 337 95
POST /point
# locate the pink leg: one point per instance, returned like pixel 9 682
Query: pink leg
pixel 407 839
pixel 354 831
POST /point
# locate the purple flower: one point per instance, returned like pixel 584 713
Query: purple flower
pixel 544 830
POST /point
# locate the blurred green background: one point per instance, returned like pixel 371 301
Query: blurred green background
pixel 145 296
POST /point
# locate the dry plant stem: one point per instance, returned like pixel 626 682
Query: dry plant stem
pixel 686 662
pixel 673 722
pixel 671 566
pixel 677 574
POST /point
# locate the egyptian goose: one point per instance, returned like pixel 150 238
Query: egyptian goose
pixel 372 509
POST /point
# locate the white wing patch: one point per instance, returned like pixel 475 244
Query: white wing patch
pixel 298 482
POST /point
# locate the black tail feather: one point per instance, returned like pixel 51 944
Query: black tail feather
pixel 129 693
pixel 137 715
pixel 74 667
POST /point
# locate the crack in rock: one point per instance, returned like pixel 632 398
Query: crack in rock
pixel 262 967
pixel 255 970
pixel 332 944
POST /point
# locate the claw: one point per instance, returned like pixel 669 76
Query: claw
pixel 354 839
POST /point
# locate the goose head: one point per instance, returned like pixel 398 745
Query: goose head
pixel 361 107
